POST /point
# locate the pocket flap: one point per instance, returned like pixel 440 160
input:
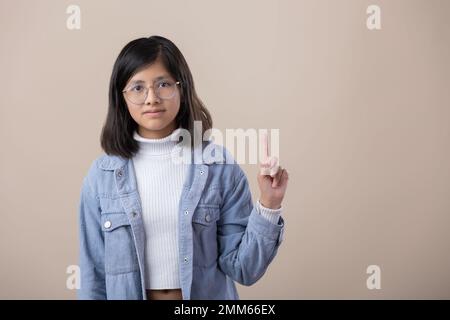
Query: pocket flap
pixel 206 215
pixel 111 221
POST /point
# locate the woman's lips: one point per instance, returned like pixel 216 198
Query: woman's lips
pixel 155 114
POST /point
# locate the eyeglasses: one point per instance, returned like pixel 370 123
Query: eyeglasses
pixel 164 89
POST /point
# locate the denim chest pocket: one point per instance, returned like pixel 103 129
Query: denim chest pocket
pixel 204 227
pixel 206 215
pixel 120 250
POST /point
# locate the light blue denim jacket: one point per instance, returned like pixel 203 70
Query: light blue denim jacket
pixel 222 237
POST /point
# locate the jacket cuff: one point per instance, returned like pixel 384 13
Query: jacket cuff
pixel 273 215
pixel 257 223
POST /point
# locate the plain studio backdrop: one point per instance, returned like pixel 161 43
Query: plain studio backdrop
pixel 363 118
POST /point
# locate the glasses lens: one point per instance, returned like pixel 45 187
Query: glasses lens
pixel 165 89
pixel 136 94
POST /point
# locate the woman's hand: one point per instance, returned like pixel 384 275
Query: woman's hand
pixel 272 179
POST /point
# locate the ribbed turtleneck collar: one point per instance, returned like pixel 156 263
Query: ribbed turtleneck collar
pixel 157 147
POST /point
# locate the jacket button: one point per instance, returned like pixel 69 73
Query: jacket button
pixel 107 224
pixel 119 173
pixel 186 212
pixel 208 218
pixel 185 259
pixel 202 172
pixel 134 214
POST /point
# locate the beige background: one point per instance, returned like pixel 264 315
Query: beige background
pixel 363 118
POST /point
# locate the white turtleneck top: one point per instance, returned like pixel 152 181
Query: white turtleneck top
pixel 160 182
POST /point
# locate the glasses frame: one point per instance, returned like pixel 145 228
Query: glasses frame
pixel 147 89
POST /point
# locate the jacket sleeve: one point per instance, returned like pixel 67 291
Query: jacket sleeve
pixel 247 241
pixel 91 254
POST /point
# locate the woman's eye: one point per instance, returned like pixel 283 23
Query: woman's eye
pixel 164 84
pixel 136 88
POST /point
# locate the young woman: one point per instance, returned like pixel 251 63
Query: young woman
pixel 154 228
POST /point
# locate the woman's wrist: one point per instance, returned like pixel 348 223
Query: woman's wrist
pixel 273 205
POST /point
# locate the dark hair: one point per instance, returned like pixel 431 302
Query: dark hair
pixel 117 133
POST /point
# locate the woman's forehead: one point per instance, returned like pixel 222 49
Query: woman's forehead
pixel 151 73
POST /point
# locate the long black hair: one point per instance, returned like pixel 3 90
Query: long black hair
pixel 117 133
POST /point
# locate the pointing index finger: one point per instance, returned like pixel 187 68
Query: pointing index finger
pixel 265 146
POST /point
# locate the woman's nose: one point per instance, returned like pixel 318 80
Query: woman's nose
pixel 152 97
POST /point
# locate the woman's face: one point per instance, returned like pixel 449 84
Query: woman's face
pixel 153 125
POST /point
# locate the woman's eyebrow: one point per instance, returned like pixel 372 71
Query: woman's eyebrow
pixel 155 79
